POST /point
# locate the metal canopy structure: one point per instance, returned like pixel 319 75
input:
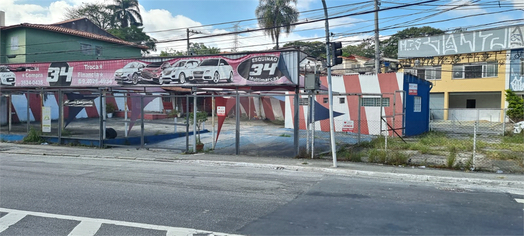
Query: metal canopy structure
pixel 216 75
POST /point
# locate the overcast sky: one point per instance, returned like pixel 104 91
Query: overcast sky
pixel 167 20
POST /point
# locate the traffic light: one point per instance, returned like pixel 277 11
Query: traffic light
pixel 336 49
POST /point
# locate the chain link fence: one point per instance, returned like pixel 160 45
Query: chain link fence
pixel 480 139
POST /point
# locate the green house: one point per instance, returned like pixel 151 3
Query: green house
pixel 73 40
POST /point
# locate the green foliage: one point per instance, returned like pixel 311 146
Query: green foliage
pixel 33 136
pixel 390 46
pixel 349 154
pixel 515 106
pixel 173 113
pixel 377 156
pixel 125 13
pixel 514 138
pixel 314 49
pixel 202 49
pixel 136 35
pixel 122 19
pixel 172 53
pixel 504 155
pixel 285 135
pixel 450 160
pixel 398 158
pixel 97 13
pixel 276 16
pixel 110 108
pixel 365 49
pixel 201 117
pixel 66 132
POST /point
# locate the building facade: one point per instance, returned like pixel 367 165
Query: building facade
pixel 64 41
pixel 468 70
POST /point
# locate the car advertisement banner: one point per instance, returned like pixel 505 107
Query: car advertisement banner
pixel 228 70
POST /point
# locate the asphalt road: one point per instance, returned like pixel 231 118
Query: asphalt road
pixel 47 195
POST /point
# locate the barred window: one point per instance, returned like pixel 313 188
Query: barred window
pixel 417 107
pixel 428 73
pixel 87 49
pixel 374 102
pixel 475 71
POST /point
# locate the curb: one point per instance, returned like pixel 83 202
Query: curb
pixel 514 187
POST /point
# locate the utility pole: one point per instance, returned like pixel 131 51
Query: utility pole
pixel 235 42
pixel 377 42
pixel 187 52
pixel 330 89
pixel 190 31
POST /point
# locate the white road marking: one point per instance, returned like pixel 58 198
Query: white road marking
pixel 85 228
pixel 95 222
pixel 10 219
pixel 519 200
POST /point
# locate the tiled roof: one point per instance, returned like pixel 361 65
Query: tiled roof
pixel 73 32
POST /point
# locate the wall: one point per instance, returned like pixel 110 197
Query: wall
pixel 417 121
pixel 15 43
pixel 516 76
pixel 46 44
pixel 386 85
pixel 483 100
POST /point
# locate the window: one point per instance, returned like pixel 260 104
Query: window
pixel 166 99
pixel 428 73
pixel 374 102
pixel 521 67
pixel 98 51
pixel 417 106
pixel 471 103
pixel 14 43
pixel 475 71
pixel 326 100
pixel 342 100
pixel 86 49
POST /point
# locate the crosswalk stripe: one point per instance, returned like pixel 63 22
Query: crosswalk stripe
pixel 92 221
pixel 10 219
pixel 86 228
pixel 519 200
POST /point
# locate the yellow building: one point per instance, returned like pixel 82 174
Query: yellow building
pixel 468 70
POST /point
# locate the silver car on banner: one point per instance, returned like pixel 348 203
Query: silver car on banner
pixel 213 70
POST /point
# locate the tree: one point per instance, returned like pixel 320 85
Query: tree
pixel 365 49
pixel 390 46
pixel 172 53
pixel 136 35
pixel 515 106
pixel 275 16
pixel 99 14
pixel 120 19
pixel 314 49
pixel 125 13
pixel 201 49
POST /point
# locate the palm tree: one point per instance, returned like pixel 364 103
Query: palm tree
pixel 126 13
pixel 275 15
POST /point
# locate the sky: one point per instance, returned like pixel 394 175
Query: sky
pixel 167 20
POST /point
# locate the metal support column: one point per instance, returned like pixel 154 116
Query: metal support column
pixel 101 130
pixel 237 127
pixel 142 138
pixel 60 115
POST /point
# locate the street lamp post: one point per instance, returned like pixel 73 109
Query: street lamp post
pixel 330 90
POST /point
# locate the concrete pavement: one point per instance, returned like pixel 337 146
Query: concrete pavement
pixel 452 179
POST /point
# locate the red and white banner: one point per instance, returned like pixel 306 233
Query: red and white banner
pixel 250 69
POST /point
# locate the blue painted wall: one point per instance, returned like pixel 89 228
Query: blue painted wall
pixel 416 122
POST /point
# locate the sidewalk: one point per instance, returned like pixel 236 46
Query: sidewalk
pixel 455 179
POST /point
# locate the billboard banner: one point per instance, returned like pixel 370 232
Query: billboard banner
pixel 511 37
pixel 218 70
